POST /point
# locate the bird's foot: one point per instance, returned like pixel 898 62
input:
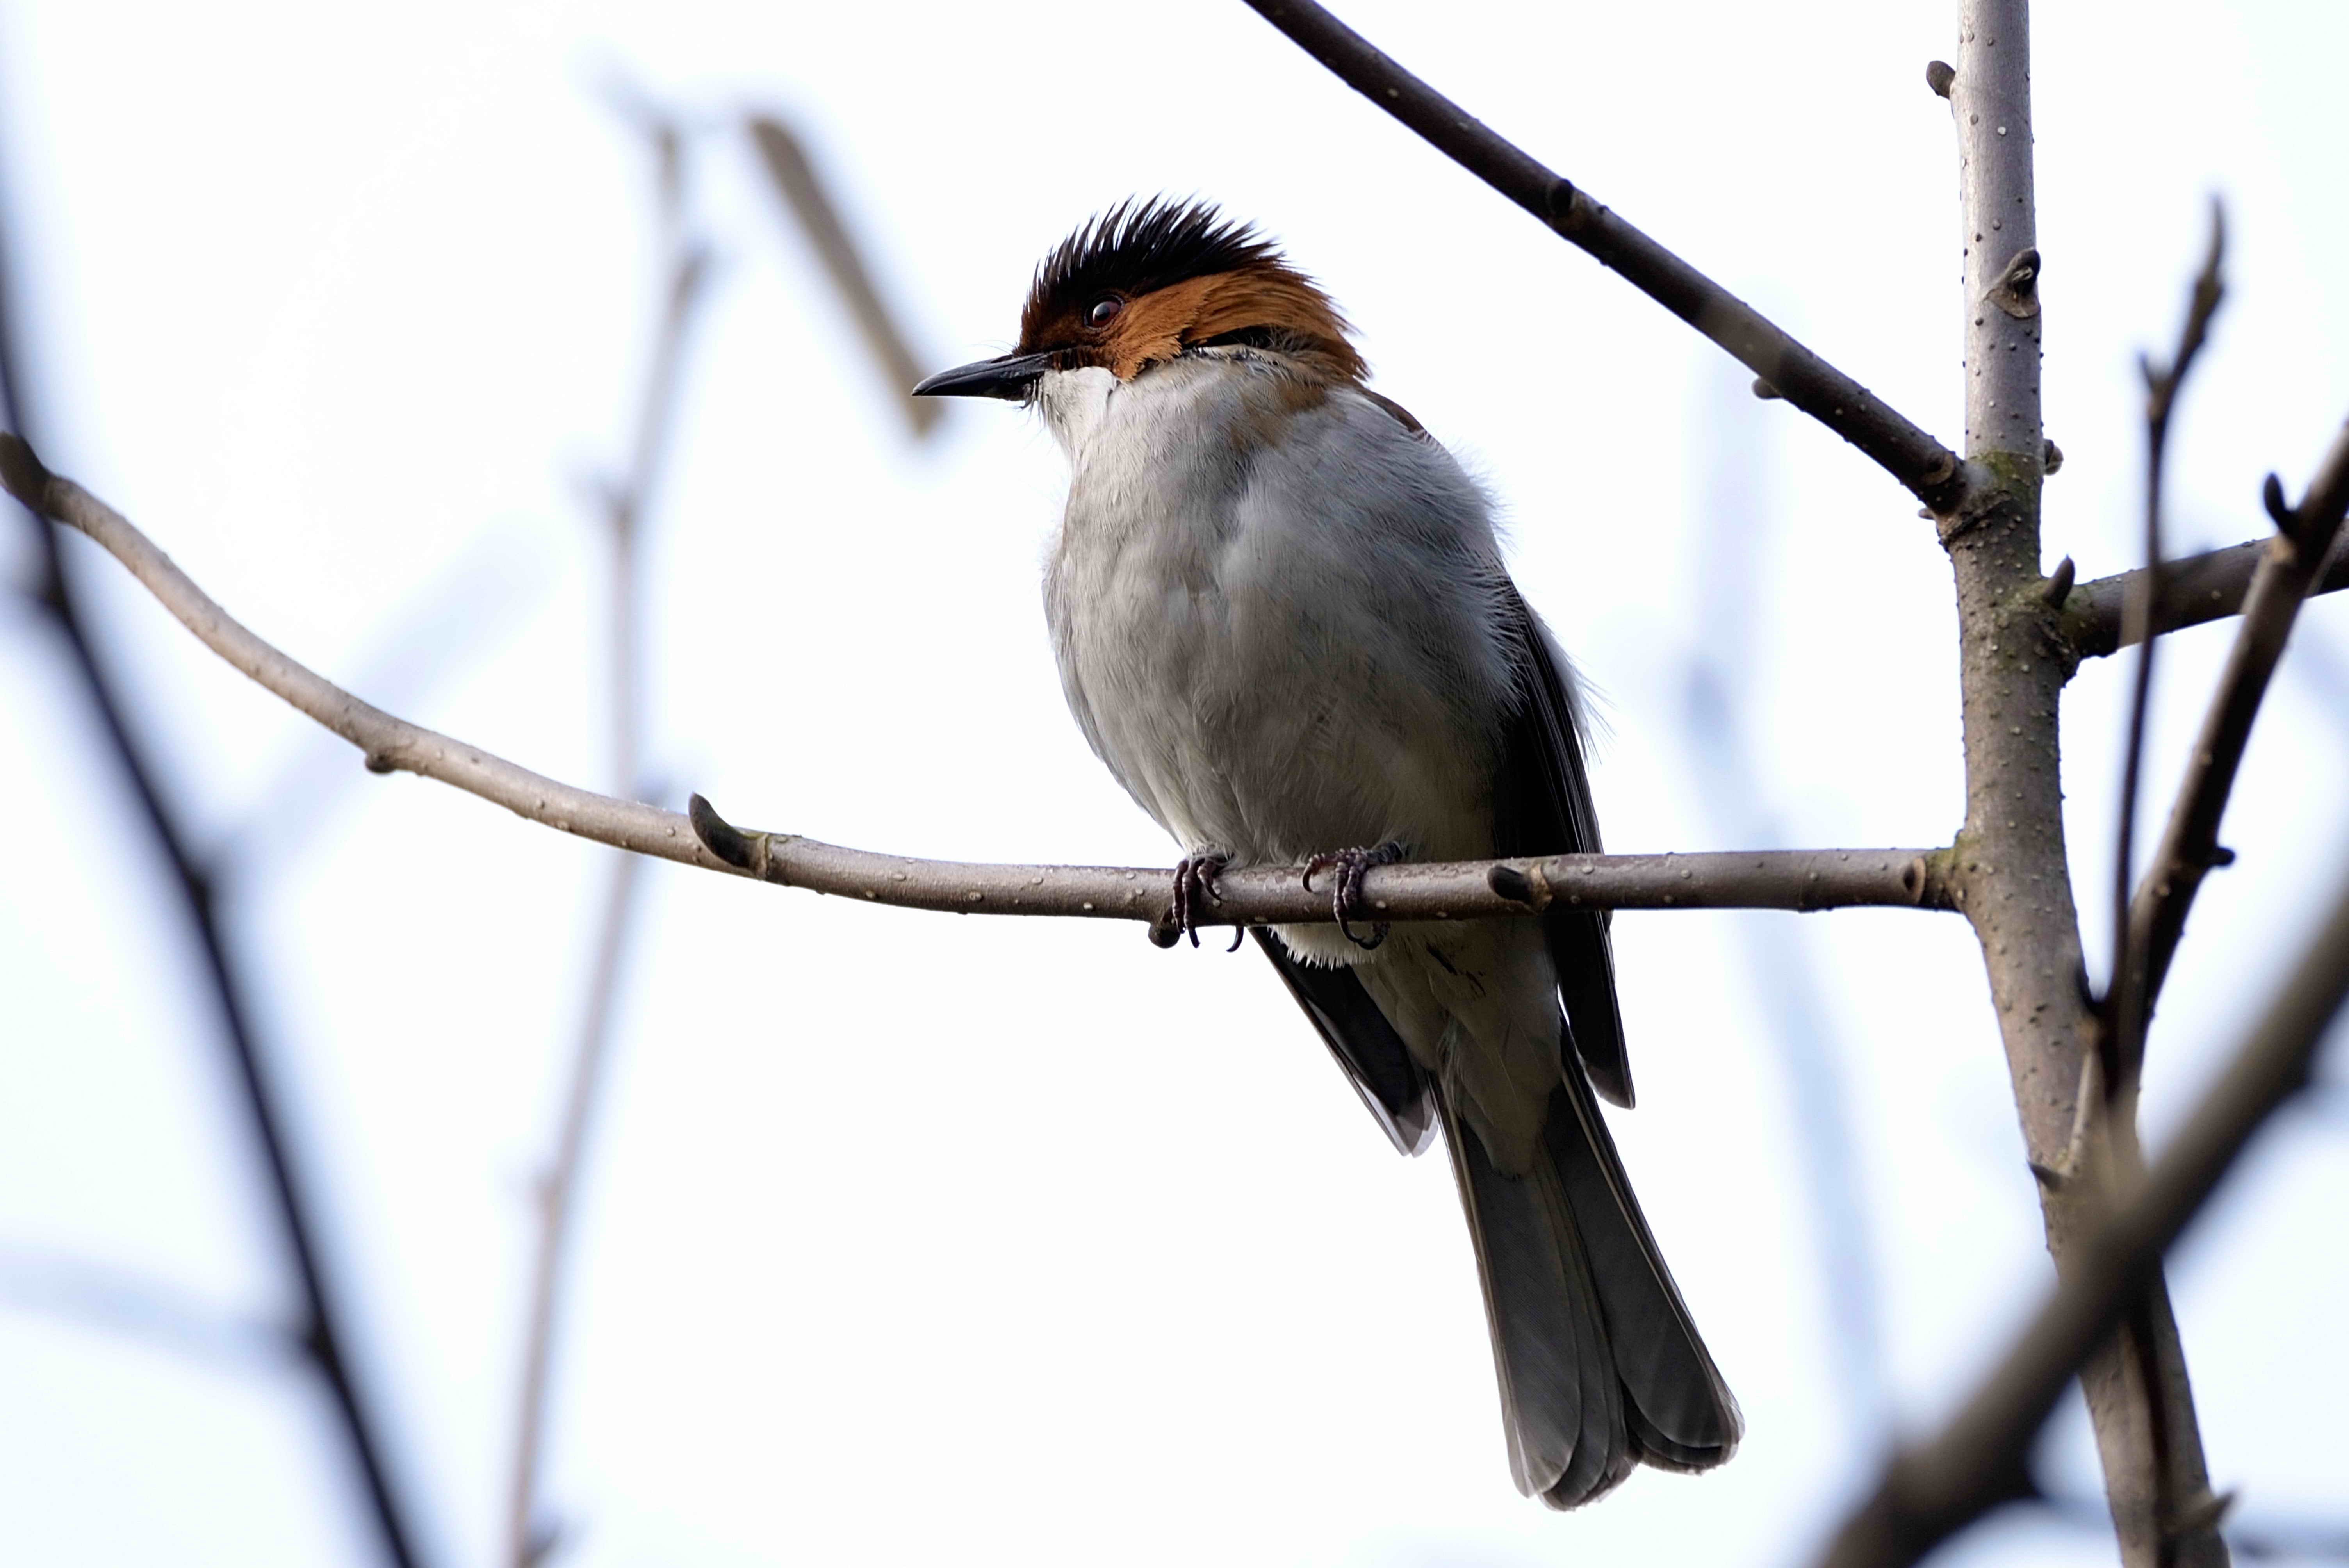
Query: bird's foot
pixel 1346 888
pixel 1194 889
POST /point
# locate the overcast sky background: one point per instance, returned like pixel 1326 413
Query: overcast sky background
pixel 909 1238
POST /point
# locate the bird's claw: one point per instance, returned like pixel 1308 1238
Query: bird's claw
pixel 1194 889
pixel 1346 891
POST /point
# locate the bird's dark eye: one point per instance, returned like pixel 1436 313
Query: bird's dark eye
pixel 1103 311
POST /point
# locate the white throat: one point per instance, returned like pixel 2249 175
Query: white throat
pixel 1073 403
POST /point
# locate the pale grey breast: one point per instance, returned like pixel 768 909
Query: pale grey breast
pixel 1273 609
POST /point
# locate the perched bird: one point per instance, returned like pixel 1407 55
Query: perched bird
pixel 1283 622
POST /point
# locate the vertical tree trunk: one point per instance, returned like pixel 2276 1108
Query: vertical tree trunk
pixel 2012 865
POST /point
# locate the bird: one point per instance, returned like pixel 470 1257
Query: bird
pixel 1282 620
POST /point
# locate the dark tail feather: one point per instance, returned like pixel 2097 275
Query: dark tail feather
pixel 1690 1419
pixel 1601 1367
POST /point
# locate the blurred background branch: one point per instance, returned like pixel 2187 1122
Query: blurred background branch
pixel 93 1294
pixel 323 1332
pixel 807 202
pixel 1721 687
pixel 623 505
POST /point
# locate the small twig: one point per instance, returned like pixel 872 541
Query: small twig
pixel 2122 1020
pixel 529 1536
pixel 1908 454
pixel 2125 1013
pixel 100 1295
pixel 2190 844
pixel 1465 890
pixel 1931 1492
pixel 2195 591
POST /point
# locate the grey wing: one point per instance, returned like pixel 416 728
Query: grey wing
pixel 1395 1089
pixel 1541 804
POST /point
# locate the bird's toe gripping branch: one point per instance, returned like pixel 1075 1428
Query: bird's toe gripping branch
pixel 1346 888
pixel 1194 890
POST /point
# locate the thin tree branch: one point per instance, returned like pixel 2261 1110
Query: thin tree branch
pixel 2016 868
pixel 2190 845
pixel 2120 1043
pixel 1264 895
pixel 2125 1004
pixel 1979 1460
pixel 1774 879
pixel 324 1333
pixel 2195 590
pixel 530 1536
pixel 1908 454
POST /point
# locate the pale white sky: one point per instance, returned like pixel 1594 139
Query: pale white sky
pixel 913 1238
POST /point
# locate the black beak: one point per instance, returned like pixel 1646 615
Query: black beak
pixel 1009 376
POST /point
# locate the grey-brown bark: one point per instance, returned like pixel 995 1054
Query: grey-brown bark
pixel 2012 870
pixel 1980 1457
pixel 324 1328
pixel 2195 590
pixel 530 1534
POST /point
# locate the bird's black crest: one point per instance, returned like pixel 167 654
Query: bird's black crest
pixel 1138 246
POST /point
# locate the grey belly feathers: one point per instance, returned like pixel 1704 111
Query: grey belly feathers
pixel 1283 622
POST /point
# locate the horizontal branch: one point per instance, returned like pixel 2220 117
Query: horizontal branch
pixel 1931 1492
pixel 1266 895
pixel 2195 590
pixel 1907 453
pixel 1774 879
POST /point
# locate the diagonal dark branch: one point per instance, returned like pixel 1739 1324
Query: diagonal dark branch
pixel 2124 1005
pixel 623 507
pixel 2195 590
pixel 324 1333
pixel 1467 890
pixel 1978 1460
pixel 2190 845
pixel 1908 454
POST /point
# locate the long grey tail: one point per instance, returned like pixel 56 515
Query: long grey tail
pixel 1600 1367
